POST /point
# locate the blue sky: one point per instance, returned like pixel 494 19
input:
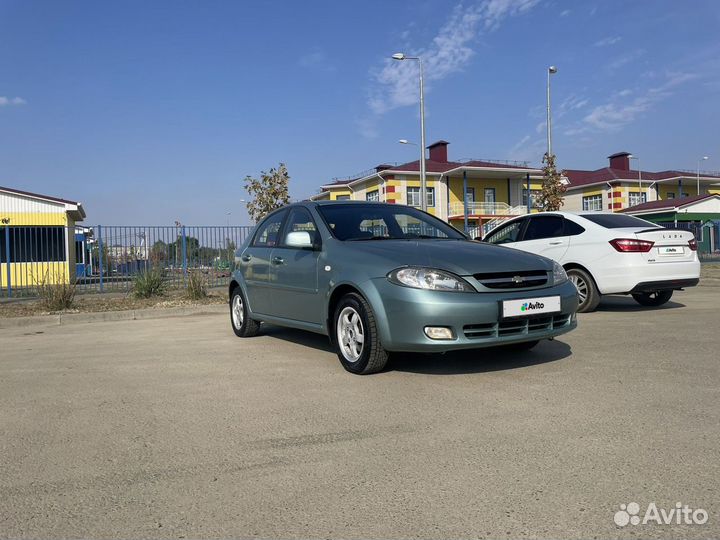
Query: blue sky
pixel 152 111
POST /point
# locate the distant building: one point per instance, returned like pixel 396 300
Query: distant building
pixel 495 189
pixel 617 186
pixel 37 238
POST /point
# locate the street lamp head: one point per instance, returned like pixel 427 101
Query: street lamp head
pixel 705 157
pixel 403 141
pixel 398 56
pixel 552 69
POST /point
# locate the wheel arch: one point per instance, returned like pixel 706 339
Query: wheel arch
pixel 337 293
pixel 578 266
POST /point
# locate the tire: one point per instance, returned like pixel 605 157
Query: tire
pixel 354 319
pixel 522 346
pixel 588 295
pixel 241 323
pixel 653 299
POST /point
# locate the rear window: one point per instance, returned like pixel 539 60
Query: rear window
pixel 617 221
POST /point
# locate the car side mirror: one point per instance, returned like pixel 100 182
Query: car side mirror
pixel 299 239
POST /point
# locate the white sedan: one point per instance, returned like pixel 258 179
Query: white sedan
pixel 606 253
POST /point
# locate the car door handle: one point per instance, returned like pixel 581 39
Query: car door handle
pixel 278 260
pixel 557 243
pixel 246 258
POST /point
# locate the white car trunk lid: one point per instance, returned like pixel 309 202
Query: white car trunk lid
pixel 669 245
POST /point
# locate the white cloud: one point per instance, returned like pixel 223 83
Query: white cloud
pixel 625 59
pixel 316 59
pixel 612 40
pixel 9 102
pixel 395 84
pixel 565 13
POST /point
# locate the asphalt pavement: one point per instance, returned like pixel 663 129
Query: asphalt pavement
pixel 174 428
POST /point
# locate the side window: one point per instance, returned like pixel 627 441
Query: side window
pixel 506 233
pixel 572 228
pixel 300 220
pixel 544 227
pixel 268 231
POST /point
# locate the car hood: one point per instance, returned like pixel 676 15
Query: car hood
pixel 460 257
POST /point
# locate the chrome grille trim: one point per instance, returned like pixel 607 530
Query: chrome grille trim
pixel 522 279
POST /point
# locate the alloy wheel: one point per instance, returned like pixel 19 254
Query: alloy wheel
pixel 238 314
pixel 350 334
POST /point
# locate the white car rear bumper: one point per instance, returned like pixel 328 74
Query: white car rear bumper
pixel 638 276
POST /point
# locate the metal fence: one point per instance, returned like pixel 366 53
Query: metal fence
pixel 108 258
pixel 707 236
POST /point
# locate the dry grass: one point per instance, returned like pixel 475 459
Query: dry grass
pixel 196 286
pixel 55 296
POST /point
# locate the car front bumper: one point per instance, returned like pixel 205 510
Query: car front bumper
pixel 402 313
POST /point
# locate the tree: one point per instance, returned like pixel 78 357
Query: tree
pixel 268 192
pixel 553 189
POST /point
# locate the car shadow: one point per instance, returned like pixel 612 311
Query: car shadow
pixel 627 304
pixel 300 337
pixel 451 363
pixel 479 360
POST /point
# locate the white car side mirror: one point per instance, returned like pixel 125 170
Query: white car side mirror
pixel 299 239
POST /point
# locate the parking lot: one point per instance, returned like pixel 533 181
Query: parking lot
pixel 176 428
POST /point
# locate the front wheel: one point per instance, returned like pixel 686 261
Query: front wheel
pixel 356 336
pixel 652 299
pixel 588 295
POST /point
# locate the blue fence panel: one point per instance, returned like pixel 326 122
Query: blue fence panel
pixel 108 258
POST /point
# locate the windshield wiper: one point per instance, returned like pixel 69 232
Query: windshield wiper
pixel 366 238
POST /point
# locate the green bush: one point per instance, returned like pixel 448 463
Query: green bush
pixel 149 283
pixel 196 286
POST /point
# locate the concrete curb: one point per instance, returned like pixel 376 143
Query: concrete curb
pixel 108 316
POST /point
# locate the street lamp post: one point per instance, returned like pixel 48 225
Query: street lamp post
pixel 704 158
pixel 639 176
pixel 551 71
pixel 423 180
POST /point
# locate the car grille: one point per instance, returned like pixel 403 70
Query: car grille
pixel 516 327
pixel 513 280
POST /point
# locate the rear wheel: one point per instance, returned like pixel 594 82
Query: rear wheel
pixel 653 299
pixel 356 336
pixel 242 324
pixel 588 295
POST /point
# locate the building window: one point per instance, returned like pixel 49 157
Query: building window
pixel 534 197
pixel 372 196
pixel 592 203
pixel 470 195
pixel 635 198
pixel 670 195
pixel 413 196
pixel 342 198
pixel 33 244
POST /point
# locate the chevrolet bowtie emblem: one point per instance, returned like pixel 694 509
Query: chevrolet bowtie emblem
pixel 518 279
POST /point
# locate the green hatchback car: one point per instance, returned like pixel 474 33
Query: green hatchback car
pixel 378 278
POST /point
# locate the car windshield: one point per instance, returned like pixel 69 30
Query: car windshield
pixel 357 222
pixel 617 221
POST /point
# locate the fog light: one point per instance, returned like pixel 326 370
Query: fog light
pixel 439 332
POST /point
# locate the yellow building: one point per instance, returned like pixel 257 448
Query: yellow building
pixel 617 187
pixel 37 238
pixel 494 189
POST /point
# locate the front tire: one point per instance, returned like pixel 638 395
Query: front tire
pixel 356 336
pixel 588 295
pixel 653 299
pixel 240 320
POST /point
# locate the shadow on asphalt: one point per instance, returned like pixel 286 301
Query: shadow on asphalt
pixel 627 304
pixel 479 360
pixel 452 363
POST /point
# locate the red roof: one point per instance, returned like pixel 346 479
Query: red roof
pixel 669 204
pixel 440 166
pixel 579 177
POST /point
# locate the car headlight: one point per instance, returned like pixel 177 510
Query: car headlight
pixel 430 279
pixel 559 274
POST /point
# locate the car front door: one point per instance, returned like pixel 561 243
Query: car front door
pixel 545 235
pixel 255 263
pixel 294 270
pixel 506 234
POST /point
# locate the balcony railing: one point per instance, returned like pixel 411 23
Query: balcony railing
pixel 486 209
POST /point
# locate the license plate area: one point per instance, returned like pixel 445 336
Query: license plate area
pixel 526 307
pixel 671 251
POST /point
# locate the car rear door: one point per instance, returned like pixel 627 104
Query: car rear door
pixel 255 262
pixel 545 235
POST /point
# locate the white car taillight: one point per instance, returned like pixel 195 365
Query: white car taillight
pixel 628 245
pixel 693 244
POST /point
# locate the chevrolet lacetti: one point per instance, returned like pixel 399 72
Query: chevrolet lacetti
pixel 378 278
